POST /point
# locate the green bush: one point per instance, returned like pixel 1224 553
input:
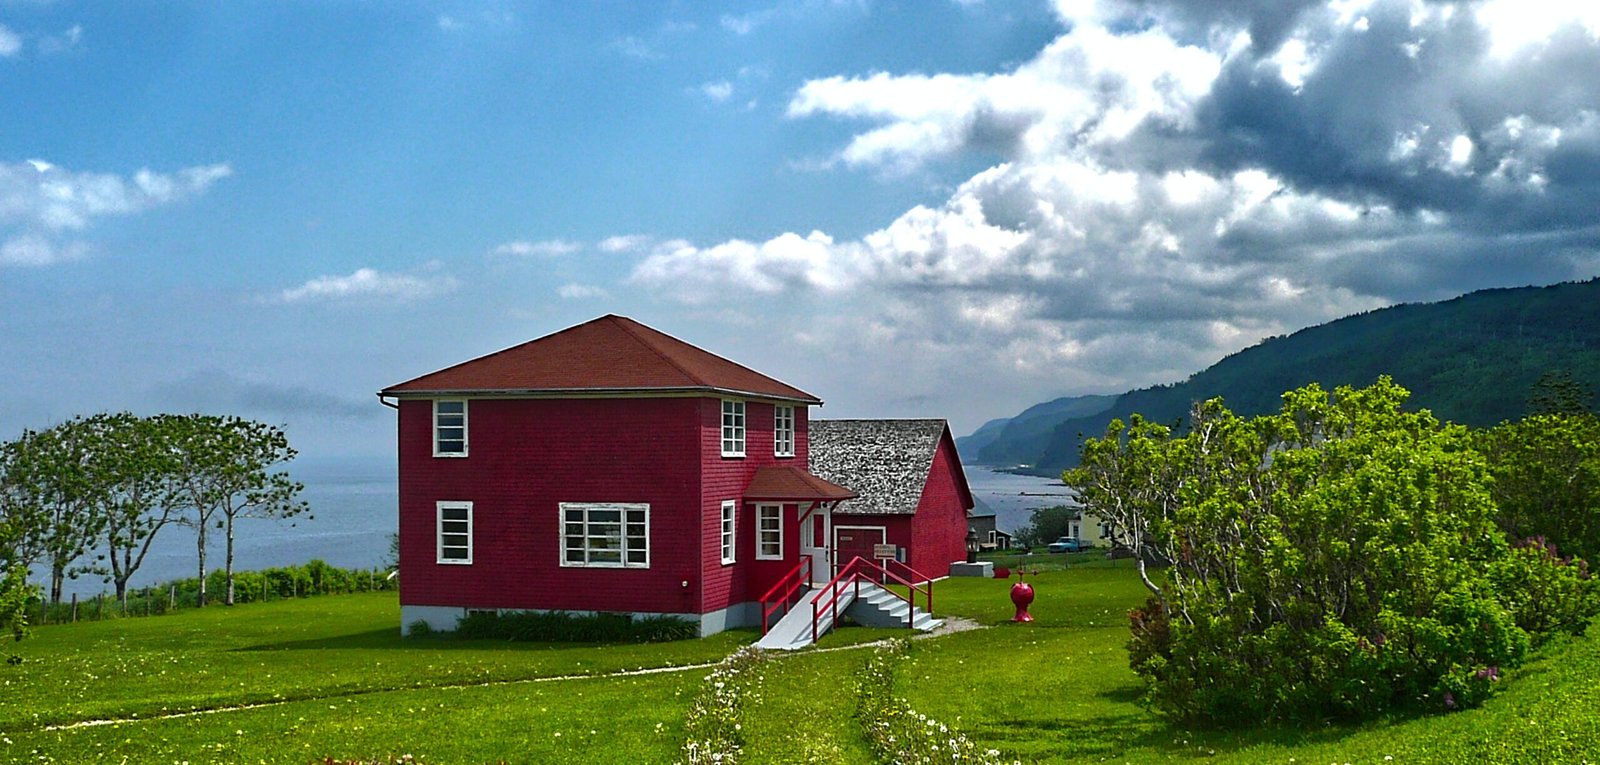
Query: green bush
pixel 1546 593
pixel 563 627
pixel 1330 561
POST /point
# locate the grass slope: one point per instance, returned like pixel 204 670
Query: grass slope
pixel 1057 690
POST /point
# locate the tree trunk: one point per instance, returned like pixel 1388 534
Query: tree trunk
pixel 200 545
pixel 228 598
pixel 58 573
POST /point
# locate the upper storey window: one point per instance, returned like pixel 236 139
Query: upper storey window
pixel 732 428
pixel 450 428
pixel 783 431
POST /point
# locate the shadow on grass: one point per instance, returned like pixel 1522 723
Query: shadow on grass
pixel 389 638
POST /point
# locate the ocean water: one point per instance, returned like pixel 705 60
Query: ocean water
pixel 353 506
pixel 1013 498
pixel 353 512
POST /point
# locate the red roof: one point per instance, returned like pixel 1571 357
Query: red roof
pixel 794 485
pixel 609 354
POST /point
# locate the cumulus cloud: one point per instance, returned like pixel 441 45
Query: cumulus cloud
pixel 369 284
pixel 1172 180
pixel 43 205
pixel 581 292
pixel 10 43
pixel 546 248
pixel 625 243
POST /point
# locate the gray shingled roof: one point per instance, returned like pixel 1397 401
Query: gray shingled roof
pixel 885 461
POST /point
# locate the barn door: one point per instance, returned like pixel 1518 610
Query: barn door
pixel 853 541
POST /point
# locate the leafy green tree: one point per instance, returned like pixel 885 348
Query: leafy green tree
pixel 1559 393
pixel 1327 560
pixel 226 475
pixel 53 492
pixel 133 465
pixel 15 592
pixel 1046 525
pixel 1546 472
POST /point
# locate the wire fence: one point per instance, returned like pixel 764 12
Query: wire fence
pixel 309 580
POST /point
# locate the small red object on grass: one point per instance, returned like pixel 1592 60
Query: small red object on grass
pixel 1022 596
pixel 1002 573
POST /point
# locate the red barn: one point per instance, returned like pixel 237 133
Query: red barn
pixel 612 468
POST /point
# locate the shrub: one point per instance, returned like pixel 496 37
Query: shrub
pixel 1327 561
pixel 563 627
pixel 1545 592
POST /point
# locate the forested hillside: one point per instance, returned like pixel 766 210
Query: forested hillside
pixel 1471 360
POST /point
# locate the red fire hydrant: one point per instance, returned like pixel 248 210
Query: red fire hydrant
pixel 1022 596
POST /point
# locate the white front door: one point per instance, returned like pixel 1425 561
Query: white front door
pixel 815 531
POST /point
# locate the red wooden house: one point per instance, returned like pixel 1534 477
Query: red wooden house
pixel 612 468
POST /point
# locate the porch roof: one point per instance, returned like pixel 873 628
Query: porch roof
pixel 791 484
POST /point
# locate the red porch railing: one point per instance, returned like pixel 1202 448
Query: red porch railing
pixel 860 568
pixel 780 594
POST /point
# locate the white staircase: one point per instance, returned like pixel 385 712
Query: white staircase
pixel 876 607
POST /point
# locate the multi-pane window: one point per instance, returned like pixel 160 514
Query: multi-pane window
pixel 729 512
pixel 783 431
pixel 455 532
pixel 450 428
pixel 769 532
pixel 611 535
pixel 732 428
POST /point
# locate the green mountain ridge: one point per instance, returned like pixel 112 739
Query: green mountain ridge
pixel 1471 360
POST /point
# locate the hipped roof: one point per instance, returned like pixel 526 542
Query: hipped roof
pixel 611 354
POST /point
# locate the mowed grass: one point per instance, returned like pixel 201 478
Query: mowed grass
pixel 1056 690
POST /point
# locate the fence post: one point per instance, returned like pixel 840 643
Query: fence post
pixel 172 597
pixel 74 608
pixel 99 606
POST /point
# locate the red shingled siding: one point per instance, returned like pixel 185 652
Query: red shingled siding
pixel 939 529
pixel 725 478
pixel 526 457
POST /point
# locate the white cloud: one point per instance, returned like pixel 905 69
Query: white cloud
pixel 625 243
pixel 718 91
pixel 581 292
pixel 546 248
pixel 41 203
pixel 1088 87
pixel 10 43
pixel 66 41
pixel 36 250
pixel 367 283
pixel 450 23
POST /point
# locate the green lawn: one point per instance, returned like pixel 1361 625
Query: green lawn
pixel 1057 690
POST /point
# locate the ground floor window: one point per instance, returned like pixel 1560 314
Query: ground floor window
pixel 729 511
pixel 454 527
pixel 769 532
pixel 614 535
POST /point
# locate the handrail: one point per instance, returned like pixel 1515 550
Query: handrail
pixel 852 575
pixel 916 576
pixel 793 580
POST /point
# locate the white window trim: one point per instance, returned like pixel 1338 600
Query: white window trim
pixel 760 555
pixel 727 532
pixel 465 429
pixel 738 431
pixel 438 532
pixel 782 426
pixel 624 507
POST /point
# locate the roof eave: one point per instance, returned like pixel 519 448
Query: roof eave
pixel 598 392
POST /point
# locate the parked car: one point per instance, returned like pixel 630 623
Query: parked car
pixel 1069 544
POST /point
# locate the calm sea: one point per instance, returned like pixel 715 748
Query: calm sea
pixel 351 517
pixel 353 513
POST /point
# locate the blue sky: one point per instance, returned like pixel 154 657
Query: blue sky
pixel 946 209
